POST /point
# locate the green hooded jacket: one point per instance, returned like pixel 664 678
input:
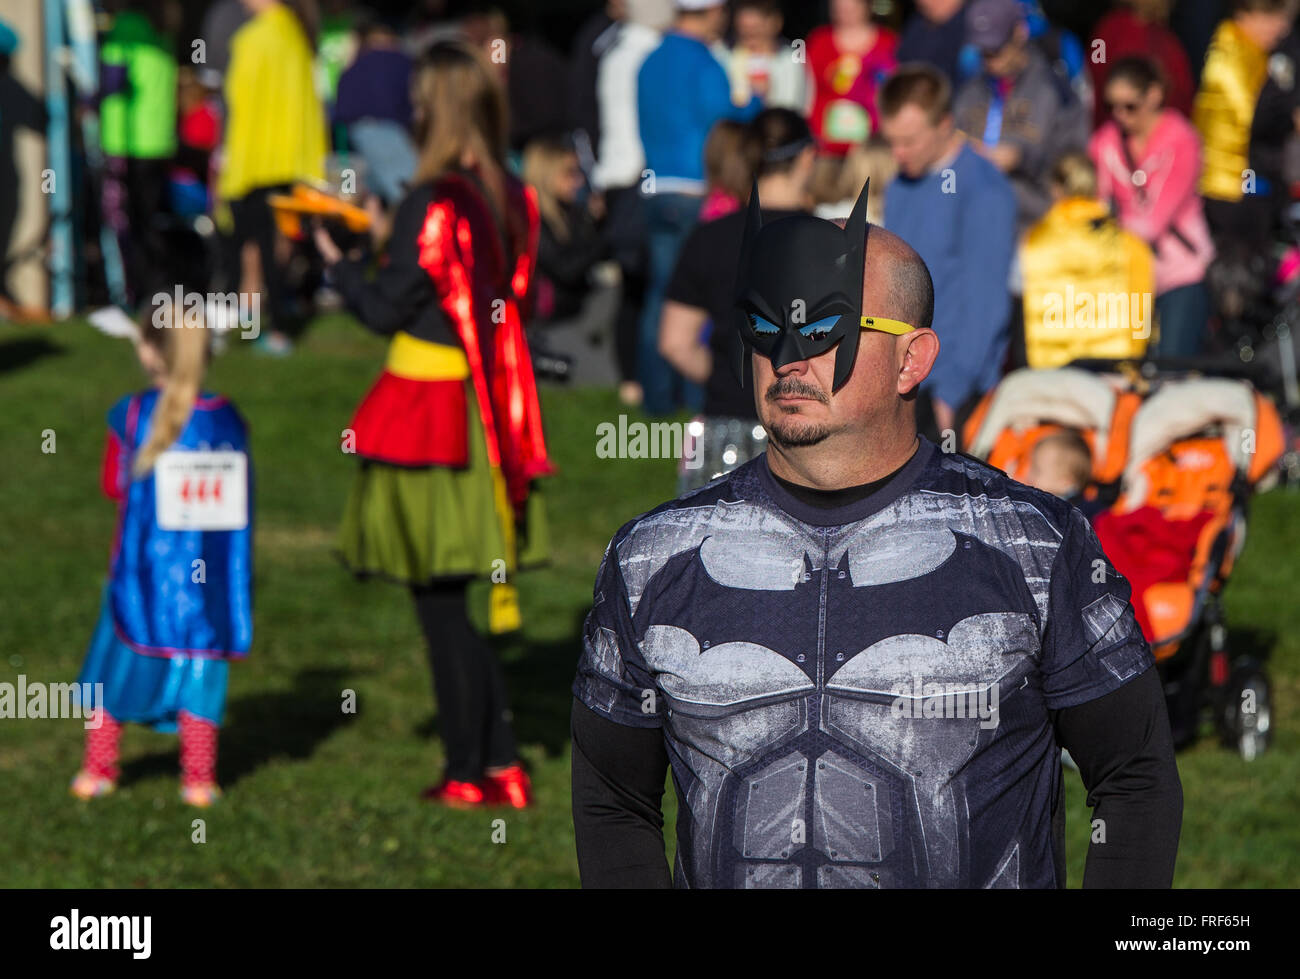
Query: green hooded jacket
pixel 141 121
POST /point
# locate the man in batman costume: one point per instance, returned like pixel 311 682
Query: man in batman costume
pixel 861 655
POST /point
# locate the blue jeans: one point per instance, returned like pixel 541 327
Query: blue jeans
pixel 1184 316
pixel 389 154
pixel 669 219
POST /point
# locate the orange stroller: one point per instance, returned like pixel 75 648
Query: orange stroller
pixel 1186 450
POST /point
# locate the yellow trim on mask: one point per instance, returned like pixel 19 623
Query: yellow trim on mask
pixel 896 327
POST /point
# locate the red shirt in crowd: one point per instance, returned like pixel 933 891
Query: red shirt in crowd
pixel 200 128
pixel 844 87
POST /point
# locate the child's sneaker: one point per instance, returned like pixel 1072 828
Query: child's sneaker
pixel 459 795
pixel 84 785
pixel 202 795
pixel 509 787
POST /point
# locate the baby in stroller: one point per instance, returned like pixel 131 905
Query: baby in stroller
pixel 1164 469
pixel 1060 463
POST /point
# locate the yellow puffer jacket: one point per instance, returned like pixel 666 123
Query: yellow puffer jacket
pixel 1235 71
pixel 1089 286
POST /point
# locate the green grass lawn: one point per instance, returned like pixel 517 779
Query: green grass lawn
pixel 317 797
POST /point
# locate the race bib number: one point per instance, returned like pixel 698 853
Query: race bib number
pixel 201 490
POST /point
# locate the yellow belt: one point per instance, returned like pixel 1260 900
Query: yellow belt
pixel 420 360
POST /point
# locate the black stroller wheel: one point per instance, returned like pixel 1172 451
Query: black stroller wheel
pixel 1247 712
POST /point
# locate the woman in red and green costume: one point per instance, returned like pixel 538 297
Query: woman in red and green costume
pixel 450 436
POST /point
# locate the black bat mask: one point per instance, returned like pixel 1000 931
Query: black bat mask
pixel 799 289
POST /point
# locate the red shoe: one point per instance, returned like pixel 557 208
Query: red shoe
pixel 459 795
pixel 509 787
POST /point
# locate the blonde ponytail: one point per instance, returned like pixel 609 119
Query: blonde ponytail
pixel 185 353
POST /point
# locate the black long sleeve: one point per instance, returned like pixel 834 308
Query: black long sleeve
pixel 1125 753
pixel 618 789
pixel 568 262
pixel 401 296
pixel 1274 119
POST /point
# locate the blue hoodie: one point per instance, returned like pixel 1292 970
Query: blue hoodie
pixel 682 90
pixel 961 219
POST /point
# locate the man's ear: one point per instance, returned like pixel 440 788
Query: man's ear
pixel 918 351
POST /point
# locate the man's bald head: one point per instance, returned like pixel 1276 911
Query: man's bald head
pixel 896 284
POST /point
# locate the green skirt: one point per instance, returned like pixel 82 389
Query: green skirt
pixel 412 526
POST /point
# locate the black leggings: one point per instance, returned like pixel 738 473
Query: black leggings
pixel 255 222
pixel 625 231
pixel 473 713
pixel 135 203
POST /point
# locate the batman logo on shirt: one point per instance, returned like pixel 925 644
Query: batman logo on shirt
pixel 974 579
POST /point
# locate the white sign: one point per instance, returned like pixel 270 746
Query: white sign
pixel 201 490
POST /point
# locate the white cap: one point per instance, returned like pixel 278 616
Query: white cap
pixel 699 4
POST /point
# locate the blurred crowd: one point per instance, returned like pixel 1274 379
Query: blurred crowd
pixel 1042 173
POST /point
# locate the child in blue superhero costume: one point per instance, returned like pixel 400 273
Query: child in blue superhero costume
pixel 178 603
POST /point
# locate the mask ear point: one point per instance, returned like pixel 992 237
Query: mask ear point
pixel 753 214
pixel 857 228
pixel 753 225
pixel 858 217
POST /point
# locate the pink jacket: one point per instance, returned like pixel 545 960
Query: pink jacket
pixel 1156 199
